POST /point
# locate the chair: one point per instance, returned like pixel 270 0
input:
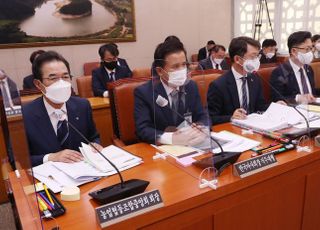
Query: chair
pixel 265 74
pixel 205 72
pixel 143 72
pixel 194 57
pixel 89 66
pixel 282 59
pixel 203 82
pixel 122 109
pixel 316 69
pixel 84 85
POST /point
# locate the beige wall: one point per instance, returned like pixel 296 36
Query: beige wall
pixel 193 21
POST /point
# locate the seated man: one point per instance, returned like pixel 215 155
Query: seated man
pixel 204 51
pixel 268 52
pixel 237 92
pixel 216 59
pixel 28 80
pixel 172 86
pixel 50 138
pixel 294 79
pixel 112 68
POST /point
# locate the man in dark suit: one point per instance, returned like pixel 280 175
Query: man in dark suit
pixel 268 53
pixel 49 135
pixel 216 59
pixel 238 92
pixel 204 51
pixel 112 68
pixel 170 88
pixel 294 79
pixel 28 80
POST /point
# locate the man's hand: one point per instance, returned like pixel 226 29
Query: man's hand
pixel 239 114
pixel 306 98
pixel 188 136
pixel 97 146
pixel 66 156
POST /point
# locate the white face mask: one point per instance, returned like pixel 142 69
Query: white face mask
pixel 218 60
pixel 305 58
pixel 317 46
pixel 59 92
pixel 251 66
pixel 177 78
pixel 270 55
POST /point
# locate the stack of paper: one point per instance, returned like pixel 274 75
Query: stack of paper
pixel 57 175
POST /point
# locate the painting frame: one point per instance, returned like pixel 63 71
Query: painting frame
pixel 80 40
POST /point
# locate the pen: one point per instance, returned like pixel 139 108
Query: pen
pixel 43 206
pixel 48 194
pixel 272 148
pixel 45 200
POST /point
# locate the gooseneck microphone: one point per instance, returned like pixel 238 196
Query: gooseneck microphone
pixel 118 191
pixel 220 160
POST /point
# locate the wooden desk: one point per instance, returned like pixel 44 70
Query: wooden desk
pixel 283 197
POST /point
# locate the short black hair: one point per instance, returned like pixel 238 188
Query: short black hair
pixel 211 42
pixel 269 43
pixel 172 37
pixel 298 38
pixel 216 49
pixel 239 46
pixel 166 48
pixel 35 54
pixel 43 58
pixel 315 37
pixel 111 47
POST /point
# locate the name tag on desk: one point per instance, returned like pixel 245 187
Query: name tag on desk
pixel 126 208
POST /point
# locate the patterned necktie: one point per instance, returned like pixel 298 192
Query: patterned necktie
pixel 244 94
pixel 5 96
pixel 305 89
pixel 62 131
pixel 112 76
pixel 177 106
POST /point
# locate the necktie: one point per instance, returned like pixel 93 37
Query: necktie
pixel 244 94
pixel 112 76
pixel 63 132
pixel 5 96
pixel 177 106
pixel 217 66
pixel 305 89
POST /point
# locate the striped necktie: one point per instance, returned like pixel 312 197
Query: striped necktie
pixel 305 89
pixel 244 94
pixel 62 130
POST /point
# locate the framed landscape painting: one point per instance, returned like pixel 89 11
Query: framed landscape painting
pixel 27 23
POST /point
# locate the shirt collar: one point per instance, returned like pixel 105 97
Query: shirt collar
pixel 236 75
pixel 294 66
pixel 51 110
pixel 167 88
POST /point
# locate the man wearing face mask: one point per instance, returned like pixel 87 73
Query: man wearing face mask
pixel 238 92
pixel 268 53
pixel 112 68
pixel 294 79
pixel 49 136
pixel 316 44
pixel 216 60
pixel 172 86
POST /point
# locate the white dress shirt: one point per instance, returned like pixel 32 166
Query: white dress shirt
pixel 238 78
pixel 214 64
pixel 298 76
pixel 54 119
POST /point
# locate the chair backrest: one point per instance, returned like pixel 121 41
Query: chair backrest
pixel 206 71
pixel 265 74
pixel 89 66
pixel 143 72
pixel 121 94
pixel 203 81
pixel 282 59
pixel 316 69
pixel 194 57
pixel 84 86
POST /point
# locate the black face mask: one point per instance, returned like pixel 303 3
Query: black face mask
pixel 110 65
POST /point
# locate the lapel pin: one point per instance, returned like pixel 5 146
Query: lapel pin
pixel 77 118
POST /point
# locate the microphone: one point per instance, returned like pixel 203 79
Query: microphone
pixel 114 192
pixel 220 160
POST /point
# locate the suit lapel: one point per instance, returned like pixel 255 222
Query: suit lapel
pixel 209 63
pixel 251 86
pixel 159 90
pixel 73 118
pixel 233 91
pixel 290 75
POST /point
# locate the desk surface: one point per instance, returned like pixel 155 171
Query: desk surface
pixel 185 203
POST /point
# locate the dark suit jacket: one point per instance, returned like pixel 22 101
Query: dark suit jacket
pixel 207 64
pixel 40 133
pixel 202 54
pixel 265 60
pixel 146 109
pixel 223 98
pixel 28 82
pixel 100 77
pixel 284 83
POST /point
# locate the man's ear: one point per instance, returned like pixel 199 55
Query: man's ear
pixel 237 59
pixel 159 71
pixel 39 85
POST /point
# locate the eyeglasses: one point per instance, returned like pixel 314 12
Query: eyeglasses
pixel 307 49
pixel 53 78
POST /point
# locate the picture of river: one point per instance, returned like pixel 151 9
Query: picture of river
pixel 44 23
